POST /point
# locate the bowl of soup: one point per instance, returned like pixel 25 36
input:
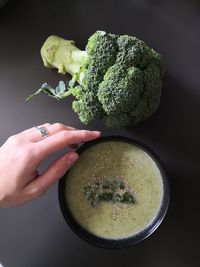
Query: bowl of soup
pixel 116 194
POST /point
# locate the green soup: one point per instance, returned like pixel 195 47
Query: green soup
pixel 109 160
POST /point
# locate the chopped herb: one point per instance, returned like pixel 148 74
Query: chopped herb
pixel 106 184
pixel 114 190
pixel 106 196
pixel 127 198
pixel 119 183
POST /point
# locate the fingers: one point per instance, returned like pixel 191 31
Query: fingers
pixel 74 146
pixel 62 139
pixel 57 127
pixel 41 183
pixel 34 135
pixel 55 171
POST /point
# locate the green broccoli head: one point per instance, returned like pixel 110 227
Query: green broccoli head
pixel 87 106
pixel 133 52
pixel 120 77
pixel 101 50
pixel 116 93
pixel 150 97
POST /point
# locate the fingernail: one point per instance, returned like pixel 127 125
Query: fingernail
pixel 71 128
pixel 96 132
pixel 72 157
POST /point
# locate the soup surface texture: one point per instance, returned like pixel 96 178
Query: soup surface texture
pixel 110 160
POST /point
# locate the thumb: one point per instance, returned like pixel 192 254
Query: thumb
pixel 54 172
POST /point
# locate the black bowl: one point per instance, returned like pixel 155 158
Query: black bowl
pixel 120 243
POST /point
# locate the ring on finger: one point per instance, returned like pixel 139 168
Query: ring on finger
pixel 43 131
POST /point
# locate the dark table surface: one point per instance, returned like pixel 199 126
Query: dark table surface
pixel 35 235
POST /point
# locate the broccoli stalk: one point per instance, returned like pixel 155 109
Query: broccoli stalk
pixel 62 54
pixel 67 58
pixel 117 78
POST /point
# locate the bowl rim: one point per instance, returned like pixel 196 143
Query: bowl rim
pixel 125 242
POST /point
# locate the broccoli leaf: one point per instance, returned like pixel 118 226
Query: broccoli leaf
pixel 61 91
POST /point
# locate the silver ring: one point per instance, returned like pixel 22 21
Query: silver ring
pixel 43 130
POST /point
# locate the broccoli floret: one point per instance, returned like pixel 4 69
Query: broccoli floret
pixel 133 52
pixel 86 105
pixel 101 50
pixel 119 77
pixel 121 89
pixel 150 97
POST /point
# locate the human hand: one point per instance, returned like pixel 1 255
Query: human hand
pixel 21 155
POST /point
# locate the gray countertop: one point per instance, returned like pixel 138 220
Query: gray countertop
pixel 35 235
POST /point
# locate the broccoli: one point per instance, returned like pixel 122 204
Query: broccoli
pixel 117 78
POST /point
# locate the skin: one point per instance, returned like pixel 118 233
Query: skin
pixel 21 155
